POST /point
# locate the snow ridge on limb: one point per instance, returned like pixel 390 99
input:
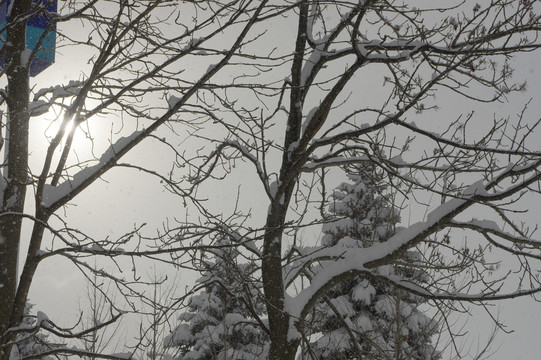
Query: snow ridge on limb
pixel 54 195
pixel 341 264
pixel 39 106
pixel 86 177
pixel 362 260
pixel 366 317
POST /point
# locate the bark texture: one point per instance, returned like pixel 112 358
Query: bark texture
pixel 15 172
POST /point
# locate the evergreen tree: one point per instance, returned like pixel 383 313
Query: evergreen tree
pixel 220 322
pixel 364 318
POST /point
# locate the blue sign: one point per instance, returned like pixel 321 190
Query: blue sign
pixel 40 25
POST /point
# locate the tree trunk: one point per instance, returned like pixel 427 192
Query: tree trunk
pixel 273 283
pixel 281 348
pixel 15 170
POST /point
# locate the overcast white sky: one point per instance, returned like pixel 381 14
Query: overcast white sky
pixel 113 206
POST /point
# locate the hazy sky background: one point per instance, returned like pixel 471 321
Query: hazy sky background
pixel 124 199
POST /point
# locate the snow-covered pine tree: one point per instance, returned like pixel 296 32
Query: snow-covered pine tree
pixel 221 321
pixel 365 318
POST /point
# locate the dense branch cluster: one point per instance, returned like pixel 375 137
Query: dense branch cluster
pixel 248 112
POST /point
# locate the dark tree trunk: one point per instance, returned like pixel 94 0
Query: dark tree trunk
pixel 15 170
pixel 273 285
pixel 282 348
